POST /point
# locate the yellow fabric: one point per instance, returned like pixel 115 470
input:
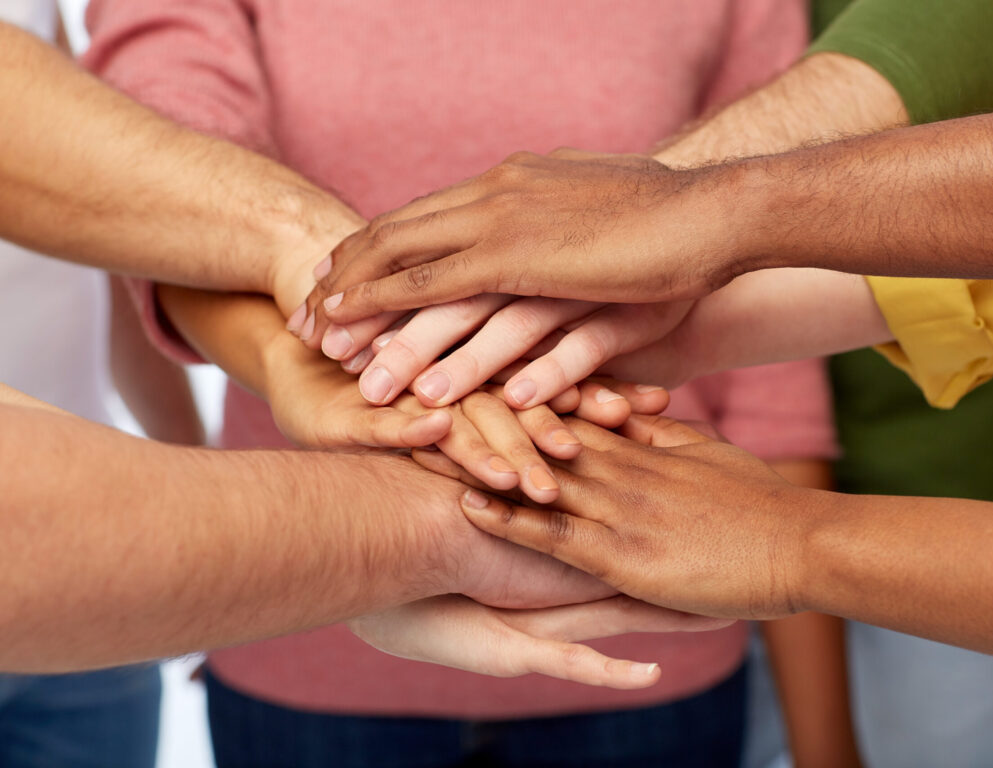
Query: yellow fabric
pixel 943 331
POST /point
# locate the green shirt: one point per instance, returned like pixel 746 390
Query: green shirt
pixel 939 56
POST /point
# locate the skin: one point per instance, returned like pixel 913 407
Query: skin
pixel 822 98
pixel 197 547
pixel 128 191
pixel 129 530
pixel 514 229
pixel 661 523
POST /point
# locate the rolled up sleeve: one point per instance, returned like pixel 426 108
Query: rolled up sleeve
pixel 943 332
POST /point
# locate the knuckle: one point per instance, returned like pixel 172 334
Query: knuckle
pixel 382 235
pixel 416 279
pixel 559 527
pixel 522 323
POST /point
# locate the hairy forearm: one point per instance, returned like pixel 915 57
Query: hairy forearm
pixel 130 550
pixel 925 563
pixel 912 202
pixel 822 98
pixel 131 192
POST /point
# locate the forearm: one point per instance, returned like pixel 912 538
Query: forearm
pixel 131 550
pixel 131 192
pixel 233 331
pixel 768 316
pixel 822 98
pixel 808 660
pixel 155 389
pixel 916 565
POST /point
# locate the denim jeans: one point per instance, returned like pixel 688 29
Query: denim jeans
pixel 104 719
pixel 702 731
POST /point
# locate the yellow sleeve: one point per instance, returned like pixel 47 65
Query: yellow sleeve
pixel 943 331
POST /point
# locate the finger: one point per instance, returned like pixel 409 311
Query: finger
pixel 614 330
pixel 504 337
pixel 396 245
pixel 643 398
pixel 581 664
pixel 468 273
pixel 437 462
pixel 574 540
pixel 407 352
pixel 574 358
pixel 602 406
pixel 661 432
pixel 503 432
pixel 606 618
pixel 567 402
pixel 342 342
pixel 547 431
pixel 592 435
pixel 390 428
pixel 357 364
pixel 466 446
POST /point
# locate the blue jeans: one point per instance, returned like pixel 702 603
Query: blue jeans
pixel 703 731
pixel 104 719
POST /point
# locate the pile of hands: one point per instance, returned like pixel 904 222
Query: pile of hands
pixel 515 398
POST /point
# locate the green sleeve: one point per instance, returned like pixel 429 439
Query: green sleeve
pixel 938 54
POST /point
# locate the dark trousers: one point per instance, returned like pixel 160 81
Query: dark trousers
pixel 703 731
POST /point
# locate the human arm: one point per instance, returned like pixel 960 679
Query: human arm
pixel 673 537
pixel 154 388
pixel 808 659
pixel 822 97
pixel 131 192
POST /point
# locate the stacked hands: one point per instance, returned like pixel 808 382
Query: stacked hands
pixel 491 413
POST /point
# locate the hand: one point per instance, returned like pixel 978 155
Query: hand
pixel 507 330
pixel 439 552
pixel 317 405
pixel 571 225
pixel 690 523
pixel 455 631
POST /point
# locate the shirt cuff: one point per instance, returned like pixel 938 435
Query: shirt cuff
pixel 942 331
pixel 157 326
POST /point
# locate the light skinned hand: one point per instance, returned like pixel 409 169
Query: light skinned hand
pixel 621 228
pixel 455 631
pixel 690 522
pixel 502 330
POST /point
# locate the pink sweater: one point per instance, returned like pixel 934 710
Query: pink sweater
pixel 385 101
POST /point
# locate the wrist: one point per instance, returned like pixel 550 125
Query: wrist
pixel 306 226
pixel 817 548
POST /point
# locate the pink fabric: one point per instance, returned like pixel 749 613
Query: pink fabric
pixel 386 101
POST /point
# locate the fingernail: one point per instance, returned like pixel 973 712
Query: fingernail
pixel 337 343
pixel 384 338
pixel 500 465
pixel 331 302
pixel 564 437
pixel 297 318
pixel 323 269
pixel 435 385
pixel 376 384
pixel 357 363
pixel 522 391
pixel 645 670
pixel 308 328
pixel 475 500
pixel 542 479
pixel 606 396
pixel 645 389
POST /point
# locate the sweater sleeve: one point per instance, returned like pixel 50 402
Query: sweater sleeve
pixel 196 62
